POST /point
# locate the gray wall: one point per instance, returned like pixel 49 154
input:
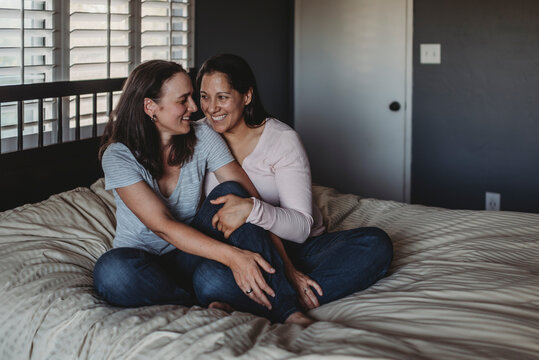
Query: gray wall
pixel 476 116
pixel 259 31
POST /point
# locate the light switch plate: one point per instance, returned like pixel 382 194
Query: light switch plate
pixel 430 53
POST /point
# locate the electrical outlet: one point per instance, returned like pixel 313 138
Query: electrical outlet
pixel 492 201
pixel 430 54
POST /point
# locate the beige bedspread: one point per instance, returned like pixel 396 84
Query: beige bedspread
pixel 463 285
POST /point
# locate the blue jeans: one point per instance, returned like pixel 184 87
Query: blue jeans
pixel 343 262
pixel 213 281
pixel 133 277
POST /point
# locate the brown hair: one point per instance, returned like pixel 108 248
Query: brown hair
pixel 130 125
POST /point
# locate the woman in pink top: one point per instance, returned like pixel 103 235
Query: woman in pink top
pixel 321 266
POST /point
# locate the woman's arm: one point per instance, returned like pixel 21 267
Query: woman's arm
pixel 293 218
pixel 153 213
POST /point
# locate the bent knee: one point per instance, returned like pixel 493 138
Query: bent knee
pixel 377 243
pixel 228 187
pixel 113 275
pixel 382 240
pixel 104 270
pixel 211 281
pixel 382 246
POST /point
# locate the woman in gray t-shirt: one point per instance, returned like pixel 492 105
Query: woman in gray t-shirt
pixel 154 159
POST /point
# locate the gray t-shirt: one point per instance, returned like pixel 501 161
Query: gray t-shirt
pixel 122 169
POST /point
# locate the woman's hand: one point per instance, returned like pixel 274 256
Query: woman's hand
pixel 303 286
pixel 232 215
pixel 245 266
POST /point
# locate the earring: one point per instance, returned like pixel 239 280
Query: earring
pixel 153 117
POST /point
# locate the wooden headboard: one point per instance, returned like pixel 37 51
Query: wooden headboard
pixel 31 175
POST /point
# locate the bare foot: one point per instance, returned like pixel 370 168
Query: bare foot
pixel 300 319
pixel 221 306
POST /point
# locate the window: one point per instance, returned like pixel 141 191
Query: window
pixel 98 39
pixel 26 41
pixel 58 40
pixel 165 31
pixel 53 40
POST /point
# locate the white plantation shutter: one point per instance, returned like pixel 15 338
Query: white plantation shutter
pixel 166 32
pixel 64 40
pixel 99 48
pixel 26 41
pixel 26 56
pixel 53 40
pixel 99 39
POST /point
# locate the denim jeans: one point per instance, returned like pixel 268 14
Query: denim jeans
pixel 133 277
pixel 343 262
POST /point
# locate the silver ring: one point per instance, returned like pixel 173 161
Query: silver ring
pixel 249 291
pixel 305 290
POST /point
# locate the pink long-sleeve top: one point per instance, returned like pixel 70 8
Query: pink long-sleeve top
pixel 279 169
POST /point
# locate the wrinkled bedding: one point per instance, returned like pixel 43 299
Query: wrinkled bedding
pixel 463 285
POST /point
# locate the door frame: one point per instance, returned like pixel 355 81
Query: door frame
pixel 407 151
pixel 408 105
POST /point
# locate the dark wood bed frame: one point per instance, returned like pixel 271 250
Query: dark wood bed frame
pixel 32 175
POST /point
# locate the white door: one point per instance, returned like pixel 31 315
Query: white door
pixel 352 60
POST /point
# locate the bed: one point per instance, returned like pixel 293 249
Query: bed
pixel 463 285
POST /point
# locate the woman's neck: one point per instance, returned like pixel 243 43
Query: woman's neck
pixel 165 140
pixel 238 133
pixel 242 140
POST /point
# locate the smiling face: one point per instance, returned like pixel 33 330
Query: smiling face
pixel 173 108
pixel 222 104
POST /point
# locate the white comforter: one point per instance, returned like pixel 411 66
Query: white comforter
pixel 463 285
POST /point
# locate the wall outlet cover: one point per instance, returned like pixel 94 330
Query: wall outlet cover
pixel 430 54
pixel 492 201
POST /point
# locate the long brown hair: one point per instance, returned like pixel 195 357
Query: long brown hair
pixel 130 125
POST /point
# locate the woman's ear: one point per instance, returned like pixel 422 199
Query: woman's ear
pixel 149 107
pixel 248 97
